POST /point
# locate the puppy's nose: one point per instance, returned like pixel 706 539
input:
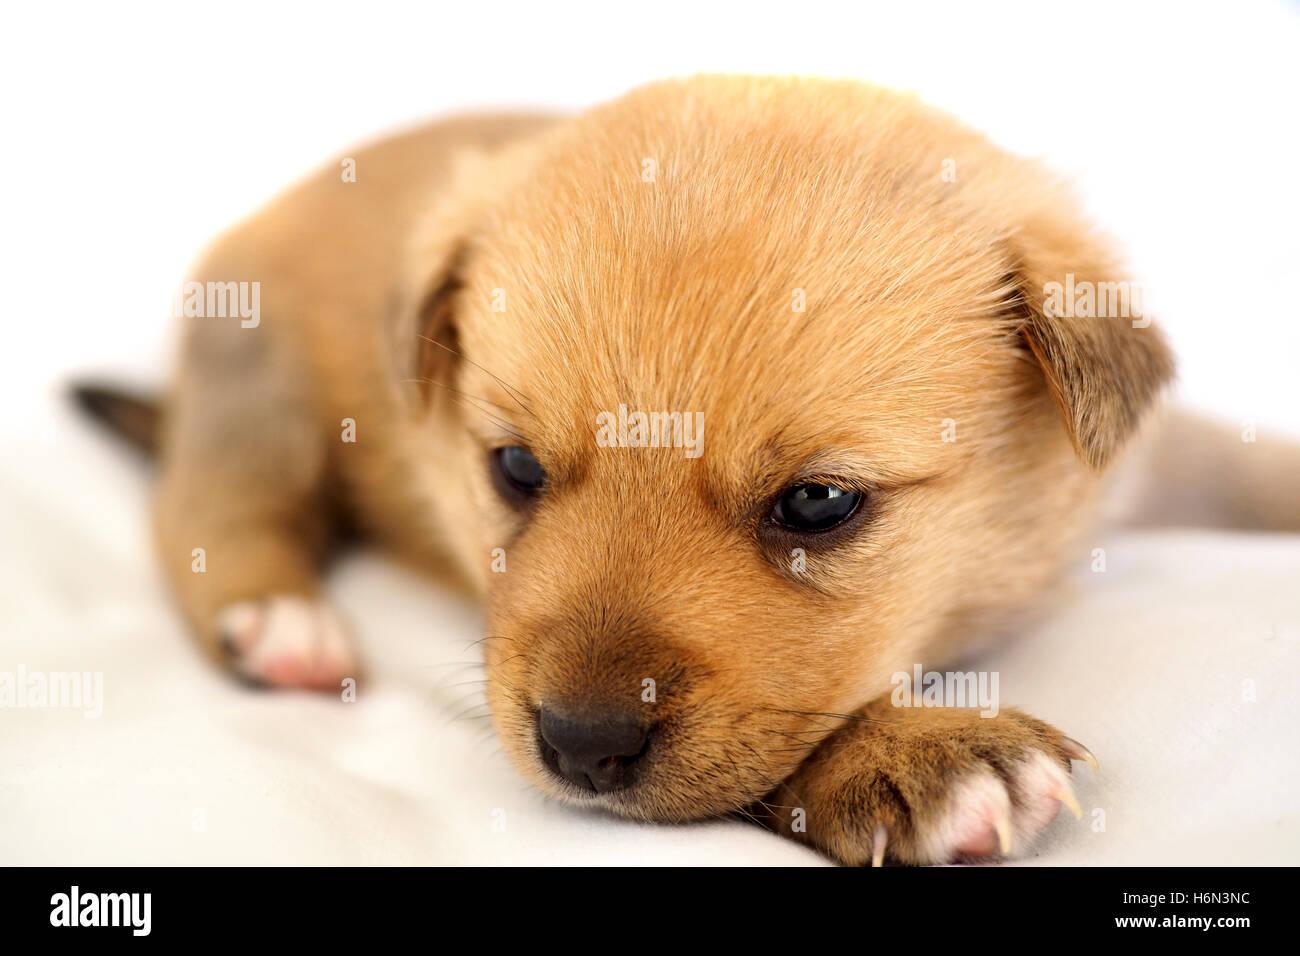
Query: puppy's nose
pixel 597 753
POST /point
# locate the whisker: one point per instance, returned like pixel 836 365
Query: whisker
pixel 489 637
pixel 424 380
pixel 464 698
pixel 822 713
pixel 466 715
pixel 509 388
pixel 499 422
pixel 425 667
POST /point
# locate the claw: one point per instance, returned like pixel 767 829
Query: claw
pixel 878 846
pixel 1077 751
pixel 1003 827
pixel 1067 797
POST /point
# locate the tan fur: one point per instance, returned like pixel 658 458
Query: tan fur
pixel 923 306
pixel 891 767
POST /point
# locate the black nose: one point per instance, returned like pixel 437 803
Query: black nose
pixel 598 753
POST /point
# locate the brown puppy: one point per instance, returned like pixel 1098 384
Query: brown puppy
pixel 887 440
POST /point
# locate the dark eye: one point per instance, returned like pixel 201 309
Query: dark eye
pixel 516 473
pixel 812 508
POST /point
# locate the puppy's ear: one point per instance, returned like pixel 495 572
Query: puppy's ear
pixel 1104 365
pixel 423 322
pixel 425 327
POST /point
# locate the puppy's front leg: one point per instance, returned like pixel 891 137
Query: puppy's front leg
pixel 928 785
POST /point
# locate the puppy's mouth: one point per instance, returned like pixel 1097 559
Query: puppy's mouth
pixel 688 758
pixel 593 753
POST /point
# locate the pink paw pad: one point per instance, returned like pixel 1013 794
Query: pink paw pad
pixel 983 821
pixel 287 642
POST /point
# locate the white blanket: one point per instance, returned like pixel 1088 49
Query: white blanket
pixel 1177 666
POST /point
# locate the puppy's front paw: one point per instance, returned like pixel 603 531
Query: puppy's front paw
pixel 935 786
pixel 287 641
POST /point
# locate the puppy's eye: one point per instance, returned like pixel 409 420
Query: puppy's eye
pixel 516 473
pixel 813 508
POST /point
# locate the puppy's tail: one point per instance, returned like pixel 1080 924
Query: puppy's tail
pixel 130 415
pixel 1198 473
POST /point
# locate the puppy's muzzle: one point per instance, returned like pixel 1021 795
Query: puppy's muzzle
pixel 596 752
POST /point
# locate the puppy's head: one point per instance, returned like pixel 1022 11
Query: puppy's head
pixel 865 422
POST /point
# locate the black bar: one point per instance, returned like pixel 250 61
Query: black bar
pixel 323 905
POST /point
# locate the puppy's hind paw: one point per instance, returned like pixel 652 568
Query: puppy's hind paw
pixel 287 641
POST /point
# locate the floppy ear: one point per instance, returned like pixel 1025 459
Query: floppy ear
pixel 422 329
pixel 1103 360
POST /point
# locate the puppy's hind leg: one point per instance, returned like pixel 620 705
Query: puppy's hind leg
pixel 1194 472
pixel 244 520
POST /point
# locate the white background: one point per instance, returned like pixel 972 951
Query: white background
pixel 133 132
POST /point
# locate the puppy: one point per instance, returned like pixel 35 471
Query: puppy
pixel 731 399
